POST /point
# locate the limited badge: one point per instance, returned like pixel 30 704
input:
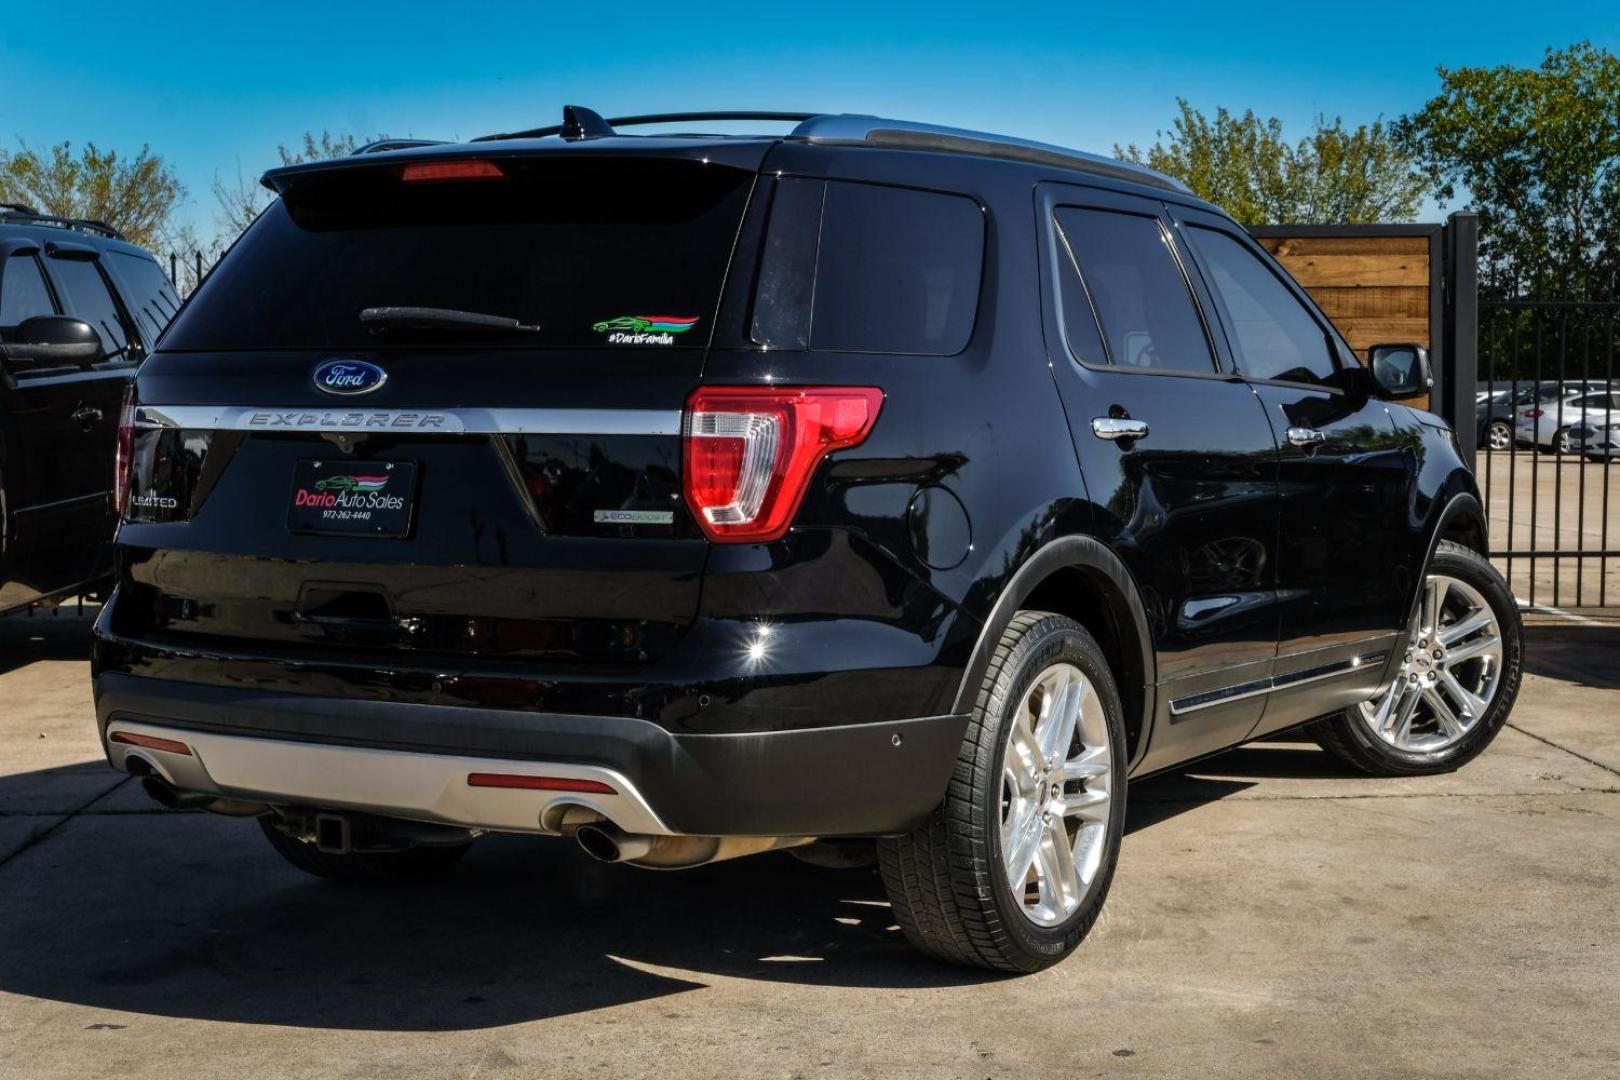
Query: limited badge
pixel 644 329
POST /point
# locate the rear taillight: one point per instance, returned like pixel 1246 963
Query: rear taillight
pixel 126 457
pixel 750 452
pixel 1532 414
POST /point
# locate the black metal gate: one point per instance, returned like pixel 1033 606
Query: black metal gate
pixel 1548 432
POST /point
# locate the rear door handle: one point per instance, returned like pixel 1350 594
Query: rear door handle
pixel 1304 436
pixel 86 416
pixel 1114 428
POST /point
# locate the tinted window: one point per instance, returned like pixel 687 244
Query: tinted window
pixel 22 291
pixel 1136 289
pixel 897 272
pixel 151 299
pixel 1273 336
pixel 86 296
pixel 595 252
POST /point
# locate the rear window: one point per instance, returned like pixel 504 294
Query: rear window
pixel 595 253
pixel 852 267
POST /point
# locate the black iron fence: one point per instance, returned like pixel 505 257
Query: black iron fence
pixel 1547 427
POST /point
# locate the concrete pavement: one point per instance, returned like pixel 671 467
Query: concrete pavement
pixel 1273 917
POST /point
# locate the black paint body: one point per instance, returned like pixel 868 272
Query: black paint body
pixel 58 423
pixel 1208 554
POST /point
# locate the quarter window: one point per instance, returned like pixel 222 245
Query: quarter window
pixel 853 267
pixel 85 293
pixel 22 291
pixel 1134 290
pixel 1272 335
pixel 152 299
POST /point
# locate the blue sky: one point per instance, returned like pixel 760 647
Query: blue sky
pixel 211 85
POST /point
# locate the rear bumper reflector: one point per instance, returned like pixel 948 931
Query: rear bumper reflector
pixel 538 783
pixel 150 742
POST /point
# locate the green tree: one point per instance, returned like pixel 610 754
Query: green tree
pixel 241 199
pixel 1246 165
pixel 135 195
pixel 1537 153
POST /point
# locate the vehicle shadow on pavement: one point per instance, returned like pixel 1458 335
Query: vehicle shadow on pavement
pixel 1586 654
pixel 63 634
pixel 189 915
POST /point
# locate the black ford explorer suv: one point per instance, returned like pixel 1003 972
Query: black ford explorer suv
pixel 79 307
pixel 696 496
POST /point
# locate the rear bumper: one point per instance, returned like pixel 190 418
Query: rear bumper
pixel 412 760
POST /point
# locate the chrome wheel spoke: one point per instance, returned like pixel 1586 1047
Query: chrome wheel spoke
pixel 1473 706
pixel 1060 713
pixel 1450 724
pixel 1488 646
pixel 1024 845
pixel 1465 628
pixel 1060 886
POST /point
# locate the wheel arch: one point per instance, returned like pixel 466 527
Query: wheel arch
pixel 1078 576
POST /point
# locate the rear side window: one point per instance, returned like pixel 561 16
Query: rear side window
pixel 1273 336
pixel 853 267
pixel 1137 293
pixel 87 296
pixel 595 252
pixel 151 299
pixel 22 291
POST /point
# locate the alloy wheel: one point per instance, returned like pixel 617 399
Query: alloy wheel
pixel 1056 791
pixel 1499 435
pixel 1450 674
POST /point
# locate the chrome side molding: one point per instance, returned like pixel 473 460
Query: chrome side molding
pixel 1227 694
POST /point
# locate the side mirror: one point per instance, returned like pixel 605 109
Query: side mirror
pixel 53 341
pixel 1400 370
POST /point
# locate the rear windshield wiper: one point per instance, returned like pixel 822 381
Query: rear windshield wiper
pixel 383 319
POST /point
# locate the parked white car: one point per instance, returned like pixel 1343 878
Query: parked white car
pixel 1551 422
pixel 1599 441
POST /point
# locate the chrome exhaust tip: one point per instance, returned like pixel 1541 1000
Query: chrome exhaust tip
pixel 609 843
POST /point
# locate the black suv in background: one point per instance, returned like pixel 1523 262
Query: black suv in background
pixel 696 496
pixel 79 308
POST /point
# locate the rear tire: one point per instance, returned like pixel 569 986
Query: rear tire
pixel 1499 435
pixel 364 867
pixel 1021 792
pixel 1359 738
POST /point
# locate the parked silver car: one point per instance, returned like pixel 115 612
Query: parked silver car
pixel 1598 441
pixel 1551 422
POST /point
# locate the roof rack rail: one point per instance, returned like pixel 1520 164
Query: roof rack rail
pixel 852 130
pixel 393 144
pixel 848 130
pixel 580 122
pixel 16 212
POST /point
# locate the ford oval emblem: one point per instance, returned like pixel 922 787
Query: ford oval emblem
pixel 349 377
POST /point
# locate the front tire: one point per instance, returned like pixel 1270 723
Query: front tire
pixel 1011 870
pixel 1457 684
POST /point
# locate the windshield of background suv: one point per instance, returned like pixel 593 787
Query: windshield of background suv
pixel 597 253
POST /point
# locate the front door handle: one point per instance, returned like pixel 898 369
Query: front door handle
pixel 1304 436
pixel 1114 428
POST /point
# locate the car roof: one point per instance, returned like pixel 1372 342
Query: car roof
pixel 17 220
pixel 585 132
